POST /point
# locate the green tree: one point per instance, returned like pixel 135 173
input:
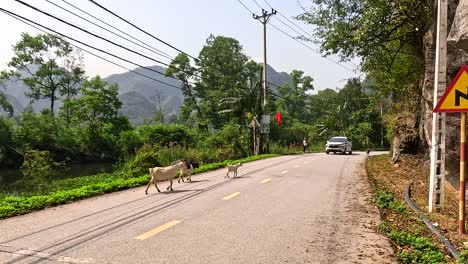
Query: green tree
pixel 96 112
pixel 190 111
pixel 225 88
pixel 47 65
pixel 295 97
pixel 5 105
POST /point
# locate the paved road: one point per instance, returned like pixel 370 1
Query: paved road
pixel 311 208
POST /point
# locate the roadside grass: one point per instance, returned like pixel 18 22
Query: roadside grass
pixel 411 240
pixel 73 189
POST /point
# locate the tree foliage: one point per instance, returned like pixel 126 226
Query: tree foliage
pixel 47 65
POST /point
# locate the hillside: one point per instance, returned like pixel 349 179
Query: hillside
pixel 137 93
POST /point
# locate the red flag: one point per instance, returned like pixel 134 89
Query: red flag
pixel 278 118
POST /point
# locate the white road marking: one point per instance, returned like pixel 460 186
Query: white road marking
pixel 283 172
pixel 265 180
pixel 157 230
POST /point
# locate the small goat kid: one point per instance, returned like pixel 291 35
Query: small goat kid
pixel 164 172
pixel 233 168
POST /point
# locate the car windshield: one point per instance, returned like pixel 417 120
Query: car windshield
pixel 337 139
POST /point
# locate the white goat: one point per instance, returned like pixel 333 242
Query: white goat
pixel 232 168
pixel 164 172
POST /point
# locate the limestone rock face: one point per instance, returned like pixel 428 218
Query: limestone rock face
pixel 457 55
pixel 458 37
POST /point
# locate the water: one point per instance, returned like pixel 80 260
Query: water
pixel 10 176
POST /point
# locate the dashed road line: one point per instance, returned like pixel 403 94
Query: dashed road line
pixel 231 196
pixel 265 180
pixel 283 172
pixel 157 230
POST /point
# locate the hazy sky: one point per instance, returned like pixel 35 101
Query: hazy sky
pixel 186 25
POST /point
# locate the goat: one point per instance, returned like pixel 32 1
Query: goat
pixel 190 167
pixel 168 172
pixel 233 168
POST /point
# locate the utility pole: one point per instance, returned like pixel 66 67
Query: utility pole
pixel 265 119
pixel 437 176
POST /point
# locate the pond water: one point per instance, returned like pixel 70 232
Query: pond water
pixel 10 176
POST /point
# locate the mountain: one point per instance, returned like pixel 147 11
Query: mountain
pixel 139 95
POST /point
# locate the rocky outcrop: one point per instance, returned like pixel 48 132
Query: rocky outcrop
pixel 457 39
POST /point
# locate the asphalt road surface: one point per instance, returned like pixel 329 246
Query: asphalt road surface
pixel 312 208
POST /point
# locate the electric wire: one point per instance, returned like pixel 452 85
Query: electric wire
pixel 310 48
pixel 94 54
pixel 89 46
pixel 109 25
pixel 300 34
pixel 142 30
pixel 93 34
pixel 120 36
pixel 300 28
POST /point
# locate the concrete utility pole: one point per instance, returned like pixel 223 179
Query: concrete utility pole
pixel 264 18
pixel 437 176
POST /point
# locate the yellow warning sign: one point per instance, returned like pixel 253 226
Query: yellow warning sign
pixel 455 97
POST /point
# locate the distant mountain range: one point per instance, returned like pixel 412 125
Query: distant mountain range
pixel 138 94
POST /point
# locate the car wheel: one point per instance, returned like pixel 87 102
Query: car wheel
pixel 350 152
pixel 328 152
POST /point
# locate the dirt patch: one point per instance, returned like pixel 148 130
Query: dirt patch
pixel 386 177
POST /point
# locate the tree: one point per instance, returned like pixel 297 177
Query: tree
pixel 96 112
pixel 295 96
pixel 47 65
pixel 5 105
pixel 99 104
pixel 223 84
pixel 181 69
pixel 222 88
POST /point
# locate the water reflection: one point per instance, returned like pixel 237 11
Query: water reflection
pixel 10 176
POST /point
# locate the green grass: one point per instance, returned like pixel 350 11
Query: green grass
pixel 73 189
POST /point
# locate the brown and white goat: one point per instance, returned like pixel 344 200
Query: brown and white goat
pixel 164 172
pixel 232 168
pixel 187 172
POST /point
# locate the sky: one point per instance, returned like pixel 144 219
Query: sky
pixel 185 24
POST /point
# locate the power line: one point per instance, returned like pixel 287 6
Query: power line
pixel 300 28
pixel 302 43
pixel 104 22
pixel 95 24
pixel 149 34
pixel 248 9
pixel 94 54
pixel 89 46
pixel 95 35
pixel 310 48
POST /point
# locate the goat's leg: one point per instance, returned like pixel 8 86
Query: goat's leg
pixel 181 175
pixel 227 175
pixel 156 185
pixel 170 186
pixel 147 186
pixel 189 176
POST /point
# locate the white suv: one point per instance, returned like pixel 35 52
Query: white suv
pixel 339 144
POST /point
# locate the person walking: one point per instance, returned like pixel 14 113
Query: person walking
pixel 304 144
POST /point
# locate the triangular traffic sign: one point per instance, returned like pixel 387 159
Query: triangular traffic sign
pixel 455 97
